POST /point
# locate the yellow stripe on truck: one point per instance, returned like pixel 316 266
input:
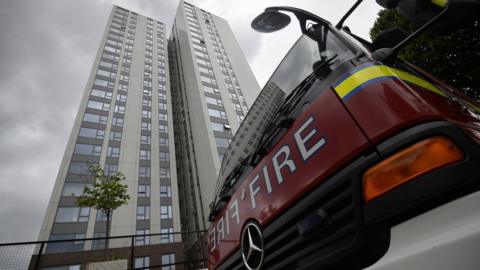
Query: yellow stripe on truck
pixel 356 81
pixel 440 3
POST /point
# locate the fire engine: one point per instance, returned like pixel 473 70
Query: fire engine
pixel 351 158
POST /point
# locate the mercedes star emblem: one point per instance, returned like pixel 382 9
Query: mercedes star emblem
pixel 252 246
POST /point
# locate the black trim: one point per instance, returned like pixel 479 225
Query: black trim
pixel 432 189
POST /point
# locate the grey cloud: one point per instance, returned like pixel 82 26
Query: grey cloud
pixel 46 59
pixel 46 51
pixel 45 64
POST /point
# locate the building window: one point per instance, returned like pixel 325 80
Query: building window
pixel 144 155
pixel 164 156
pixel 143 212
pixel 147 103
pixel 105 73
pixel 146 126
pixel 166 191
pixel 169 261
pixel 146 114
pixel 91 133
pixel 162 117
pixel 164 173
pixel 147 93
pixel 113 152
pixel 63 267
pixel 166 212
pixel 101 216
pixel 101 93
pixel 144 171
pixel 79 168
pixel 99 243
pixel 166 235
pixel 217 126
pixel 142 239
pixel 210 90
pixel 111 169
pixel 103 83
pixel 222 142
pixel 74 189
pixel 214 101
pixel 98 105
pixel 217 113
pixel 121 97
pixel 145 139
pixel 72 214
pixel 162 96
pixel 66 246
pixel 108 64
pixel 123 87
pixel 95 118
pixel 142 262
pixel 117 121
pixel 162 106
pixel 119 109
pixel 163 128
pixel 144 191
pixel 87 149
pixel 163 141
pixel 115 136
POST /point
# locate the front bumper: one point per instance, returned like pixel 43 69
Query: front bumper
pixel 445 238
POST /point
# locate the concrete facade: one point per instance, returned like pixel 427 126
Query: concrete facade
pixel 213 88
pixel 162 113
pixel 124 124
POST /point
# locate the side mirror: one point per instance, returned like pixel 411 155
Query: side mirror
pixel 389 38
pixel 270 21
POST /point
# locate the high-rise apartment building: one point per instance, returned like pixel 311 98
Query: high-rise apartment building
pixel 212 88
pixel 124 123
pixel 167 140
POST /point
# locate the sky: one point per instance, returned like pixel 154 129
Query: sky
pixel 47 48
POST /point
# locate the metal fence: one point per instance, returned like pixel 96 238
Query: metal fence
pixel 164 251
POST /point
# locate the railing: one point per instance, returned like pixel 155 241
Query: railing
pixel 147 251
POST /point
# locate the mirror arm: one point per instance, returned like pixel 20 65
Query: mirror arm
pixel 301 15
pixel 386 53
pixel 349 12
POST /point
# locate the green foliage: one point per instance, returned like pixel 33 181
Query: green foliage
pixel 453 57
pixel 106 194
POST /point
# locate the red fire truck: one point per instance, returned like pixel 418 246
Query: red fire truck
pixel 350 158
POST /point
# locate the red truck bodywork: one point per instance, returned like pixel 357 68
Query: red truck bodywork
pixel 343 129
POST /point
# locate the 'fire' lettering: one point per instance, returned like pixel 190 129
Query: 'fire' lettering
pixel 304 152
pixel 285 150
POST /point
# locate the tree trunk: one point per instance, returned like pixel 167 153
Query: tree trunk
pixel 107 234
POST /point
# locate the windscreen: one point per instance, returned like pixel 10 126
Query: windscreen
pixel 319 49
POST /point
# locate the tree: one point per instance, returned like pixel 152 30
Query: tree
pixel 106 194
pixel 454 57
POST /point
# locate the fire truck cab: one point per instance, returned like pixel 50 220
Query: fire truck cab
pixel 350 158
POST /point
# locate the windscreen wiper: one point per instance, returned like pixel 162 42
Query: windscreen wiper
pixel 286 106
pixel 222 195
pixel 232 178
